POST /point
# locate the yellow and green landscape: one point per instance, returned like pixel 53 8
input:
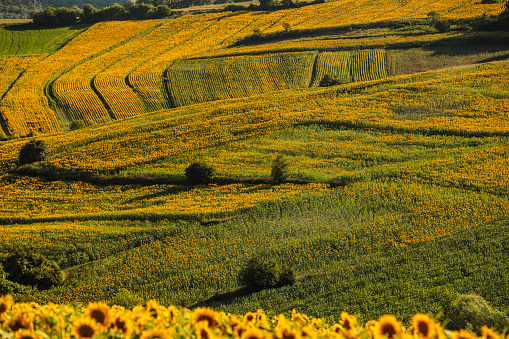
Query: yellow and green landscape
pixel 395 132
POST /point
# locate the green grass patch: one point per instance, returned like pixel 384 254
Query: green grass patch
pixel 26 39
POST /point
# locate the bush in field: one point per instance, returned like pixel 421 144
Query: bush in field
pixel 33 269
pixel 199 173
pixel 471 311
pixel 77 124
pixel 287 277
pixel 127 299
pixel 33 151
pixel 280 169
pixel 327 81
pixel 440 24
pixel 259 273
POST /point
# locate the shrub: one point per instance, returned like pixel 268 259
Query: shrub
pixel 471 311
pixel 259 273
pixel 199 173
pixel 127 299
pixel 280 169
pixel 77 124
pixel 441 24
pixel 287 277
pixel 33 269
pixel 327 81
pixel 33 151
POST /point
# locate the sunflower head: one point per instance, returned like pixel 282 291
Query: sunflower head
pixel 203 331
pixel 156 310
pixel 424 325
pixel 463 334
pixel 288 333
pixel 122 323
pixel 254 333
pixel 27 334
pixel 85 328
pixel 21 321
pixel 99 312
pixel 158 333
pixel 250 317
pixel 489 333
pixel 202 314
pixel 348 321
pixel 387 326
pixel 6 303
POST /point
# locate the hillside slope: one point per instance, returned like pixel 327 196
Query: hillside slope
pixel 118 69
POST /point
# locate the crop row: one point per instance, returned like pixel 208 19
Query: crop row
pixel 196 81
pixel 25 106
pixel 440 102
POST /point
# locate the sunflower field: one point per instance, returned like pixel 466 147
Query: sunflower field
pixel 98 320
pixel 396 197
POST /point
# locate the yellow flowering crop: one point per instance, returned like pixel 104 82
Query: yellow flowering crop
pixel 99 320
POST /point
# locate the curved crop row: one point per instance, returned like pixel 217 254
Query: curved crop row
pixel 10 69
pixel 196 81
pixel 26 107
pixel 74 89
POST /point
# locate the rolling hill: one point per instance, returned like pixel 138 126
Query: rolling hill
pixel 395 134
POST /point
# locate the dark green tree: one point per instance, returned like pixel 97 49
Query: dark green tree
pixel 33 269
pixel 280 169
pixel 199 173
pixel 259 273
pixel 89 14
pixel 33 151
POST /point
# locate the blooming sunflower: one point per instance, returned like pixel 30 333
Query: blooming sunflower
pixel 203 331
pixel 489 333
pixel 21 321
pixel 288 333
pixel 27 334
pixel 424 325
pixel 122 323
pixel 463 334
pixel 348 321
pixel 99 312
pixel 254 333
pixel 250 317
pixel 85 328
pixel 205 314
pixel 238 330
pixel 5 304
pixel 156 310
pixel 173 313
pixel 387 326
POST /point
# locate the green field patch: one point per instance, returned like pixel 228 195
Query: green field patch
pixel 372 239
pixel 343 67
pixel 318 153
pixel 195 81
pixel 25 39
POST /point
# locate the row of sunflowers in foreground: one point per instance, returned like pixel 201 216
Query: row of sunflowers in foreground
pixel 98 320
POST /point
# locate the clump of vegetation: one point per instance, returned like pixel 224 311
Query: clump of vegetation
pixel 327 81
pixel 33 151
pixel 260 273
pixel 439 23
pixel 77 124
pixel 33 269
pixel 280 169
pixel 127 299
pixel 199 173
pixel 471 311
